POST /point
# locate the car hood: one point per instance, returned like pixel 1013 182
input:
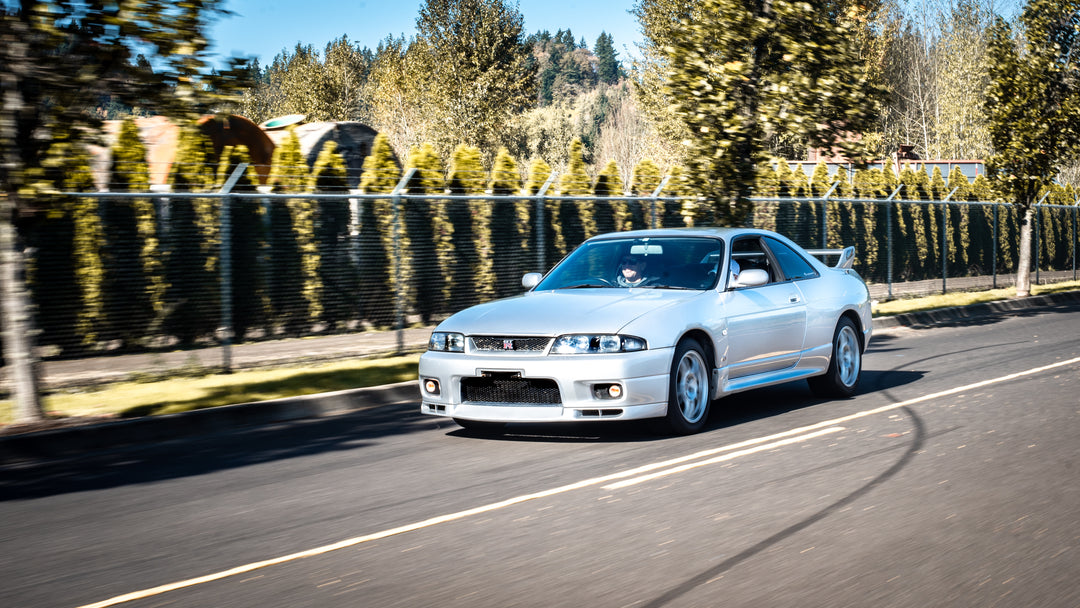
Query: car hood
pixel 553 313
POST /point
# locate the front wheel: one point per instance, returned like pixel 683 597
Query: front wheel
pixel 845 364
pixel 688 390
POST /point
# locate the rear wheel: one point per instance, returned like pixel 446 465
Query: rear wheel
pixel 688 389
pixel 845 364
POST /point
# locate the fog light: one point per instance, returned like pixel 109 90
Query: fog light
pixel 607 391
pixel 431 387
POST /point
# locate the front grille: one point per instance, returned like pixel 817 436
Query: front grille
pixel 510 390
pixel 510 344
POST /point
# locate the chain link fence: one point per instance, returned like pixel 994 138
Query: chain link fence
pixel 164 272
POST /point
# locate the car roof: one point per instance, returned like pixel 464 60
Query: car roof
pixel 703 231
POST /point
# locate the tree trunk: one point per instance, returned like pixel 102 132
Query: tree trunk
pixel 17 325
pixel 1023 271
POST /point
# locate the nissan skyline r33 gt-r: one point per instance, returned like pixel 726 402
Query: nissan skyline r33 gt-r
pixel 652 324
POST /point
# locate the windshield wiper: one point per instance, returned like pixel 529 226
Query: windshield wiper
pixel 584 285
pixel 667 287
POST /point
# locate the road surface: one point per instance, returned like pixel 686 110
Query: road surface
pixel 952 479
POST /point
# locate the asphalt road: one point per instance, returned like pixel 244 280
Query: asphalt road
pixel 952 479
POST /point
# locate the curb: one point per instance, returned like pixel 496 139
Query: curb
pixel 62 442
pixel 946 316
pixel 68 441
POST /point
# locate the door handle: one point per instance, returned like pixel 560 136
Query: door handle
pixel 793 299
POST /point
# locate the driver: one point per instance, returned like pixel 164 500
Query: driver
pixel 631 271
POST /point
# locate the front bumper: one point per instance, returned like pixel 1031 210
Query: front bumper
pixel 642 377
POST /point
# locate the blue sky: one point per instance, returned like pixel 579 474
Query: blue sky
pixel 263 28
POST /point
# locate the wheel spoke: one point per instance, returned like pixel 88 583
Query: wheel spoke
pixel 691 385
pixel 847 356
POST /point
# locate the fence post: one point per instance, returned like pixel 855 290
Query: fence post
pixel 889 237
pixel 1037 214
pixel 395 230
pixel 652 202
pixel 225 248
pixel 538 212
pixel 1075 240
pixel 995 247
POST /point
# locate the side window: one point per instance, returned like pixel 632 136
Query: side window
pixel 748 253
pixel 793 265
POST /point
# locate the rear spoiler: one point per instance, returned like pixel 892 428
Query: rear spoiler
pixel 847 255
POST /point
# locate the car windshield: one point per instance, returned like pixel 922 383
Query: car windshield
pixel 648 263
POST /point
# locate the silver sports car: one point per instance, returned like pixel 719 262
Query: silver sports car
pixel 652 324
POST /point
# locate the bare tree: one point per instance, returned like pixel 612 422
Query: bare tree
pixel 628 137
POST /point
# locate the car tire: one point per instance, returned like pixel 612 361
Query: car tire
pixel 689 392
pixel 480 426
pixel 845 364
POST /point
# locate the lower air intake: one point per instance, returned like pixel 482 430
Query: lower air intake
pixel 506 390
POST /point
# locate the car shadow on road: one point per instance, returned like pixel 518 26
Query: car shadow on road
pixel 732 410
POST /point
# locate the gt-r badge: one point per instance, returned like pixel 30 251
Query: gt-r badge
pixel 508 345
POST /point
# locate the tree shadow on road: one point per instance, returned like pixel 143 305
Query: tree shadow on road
pixel 208 453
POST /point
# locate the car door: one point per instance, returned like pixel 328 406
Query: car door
pixel 765 324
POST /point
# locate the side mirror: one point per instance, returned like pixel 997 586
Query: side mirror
pixel 531 280
pixel 751 277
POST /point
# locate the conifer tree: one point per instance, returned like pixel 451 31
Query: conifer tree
pixel 473 275
pixel 937 185
pixel 608 184
pixel 819 183
pixel 862 184
pixel 820 180
pixel 193 293
pixel 607 64
pixel 958 180
pixel 377 286
pixel 509 244
pixel 694 211
pixel 250 302
pixel 644 181
pixel 959 223
pixel 430 232
pixel 89 239
pixel 767 186
pixel 295 293
pixel 910 225
pixel 930 221
pixel 132 285
pixel 982 226
pixel 337 268
pixel 63 258
pixel 539 173
pixel 844 188
pixel 575 217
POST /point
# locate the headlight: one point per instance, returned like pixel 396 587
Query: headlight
pixel 596 343
pixel 447 342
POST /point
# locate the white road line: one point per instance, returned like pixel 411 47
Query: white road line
pixel 632 473
pixel 724 458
